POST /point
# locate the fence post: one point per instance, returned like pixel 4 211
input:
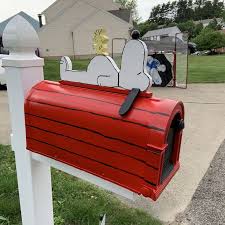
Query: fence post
pixel 23 69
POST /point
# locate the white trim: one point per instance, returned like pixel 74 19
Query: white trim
pixel 107 185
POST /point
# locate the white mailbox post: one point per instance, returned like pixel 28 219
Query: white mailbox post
pixel 23 69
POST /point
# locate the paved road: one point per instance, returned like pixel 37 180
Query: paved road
pixel 208 204
pixel 204 132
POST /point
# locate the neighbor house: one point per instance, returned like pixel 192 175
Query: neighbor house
pixel 206 22
pixel 70 25
pixel 159 34
pixel 31 20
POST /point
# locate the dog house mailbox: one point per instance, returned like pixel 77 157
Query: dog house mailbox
pixel 101 125
pixel 129 138
pixel 79 124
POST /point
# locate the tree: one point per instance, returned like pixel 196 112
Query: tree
pixel 214 25
pixel 192 28
pixel 132 5
pixel 198 28
pixel 209 39
pixel 223 15
pixel 146 26
pixel 183 10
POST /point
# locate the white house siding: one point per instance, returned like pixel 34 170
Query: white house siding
pixel 115 29
pixel 57 8
pixel 104 4
pixel 60 6
pixel 56 37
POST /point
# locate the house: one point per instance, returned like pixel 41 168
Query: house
pixel 70 26
pixel 157 35
pixel 207 22
pixel 31 20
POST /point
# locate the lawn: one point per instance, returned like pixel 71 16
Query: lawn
pixel 202 69
pixel 75 202
pixel 207 69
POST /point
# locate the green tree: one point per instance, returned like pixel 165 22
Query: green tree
pixel 184 11
pixel 214 25
pixel 187 26
pixel 209 39
pixel 146 26
pixel 190 27
pixel 162 14
pixel 198 28
pixel 223 15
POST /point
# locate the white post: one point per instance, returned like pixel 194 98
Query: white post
pixel 23 69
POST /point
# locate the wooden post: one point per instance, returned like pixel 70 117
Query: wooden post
pixel 23 69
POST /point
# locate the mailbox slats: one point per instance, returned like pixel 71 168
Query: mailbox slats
pixel 113 145
pixel 121 178
pixel 80 125
pixel 115 98
pixel 100 108
pixel 132 133
pixel 95 153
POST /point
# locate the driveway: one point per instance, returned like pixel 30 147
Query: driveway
pixel 204 132
pixel 208 203
pixel 4 119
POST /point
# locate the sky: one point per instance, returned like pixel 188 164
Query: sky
pixel 34 7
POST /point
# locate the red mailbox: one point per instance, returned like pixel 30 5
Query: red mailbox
pixel 79 124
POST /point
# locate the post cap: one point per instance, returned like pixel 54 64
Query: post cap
pixel 20 37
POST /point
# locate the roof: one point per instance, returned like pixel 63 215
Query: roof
pixel 30 19
pixel 163 31
pixel 166 44
pixel 207 21
pixel 124 14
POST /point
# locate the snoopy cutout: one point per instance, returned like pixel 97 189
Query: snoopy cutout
pixel 133 72
pixel 103 71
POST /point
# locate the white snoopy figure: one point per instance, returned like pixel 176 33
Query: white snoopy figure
pixel 103 71
pixel 133 72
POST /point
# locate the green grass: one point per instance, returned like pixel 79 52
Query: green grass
pixel 207 69
pixel 202 69
pixel 75 202
pixel 51 69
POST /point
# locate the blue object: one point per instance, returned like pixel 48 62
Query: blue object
pixel 153 64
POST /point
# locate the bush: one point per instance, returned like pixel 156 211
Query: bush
pixel 209 39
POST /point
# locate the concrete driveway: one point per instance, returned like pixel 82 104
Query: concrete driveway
pixel 4 119
pixel 204 132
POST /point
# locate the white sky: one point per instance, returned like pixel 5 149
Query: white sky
pixel 33 7
pixel 145 6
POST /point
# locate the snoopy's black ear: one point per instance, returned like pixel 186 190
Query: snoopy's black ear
pixel 127 105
